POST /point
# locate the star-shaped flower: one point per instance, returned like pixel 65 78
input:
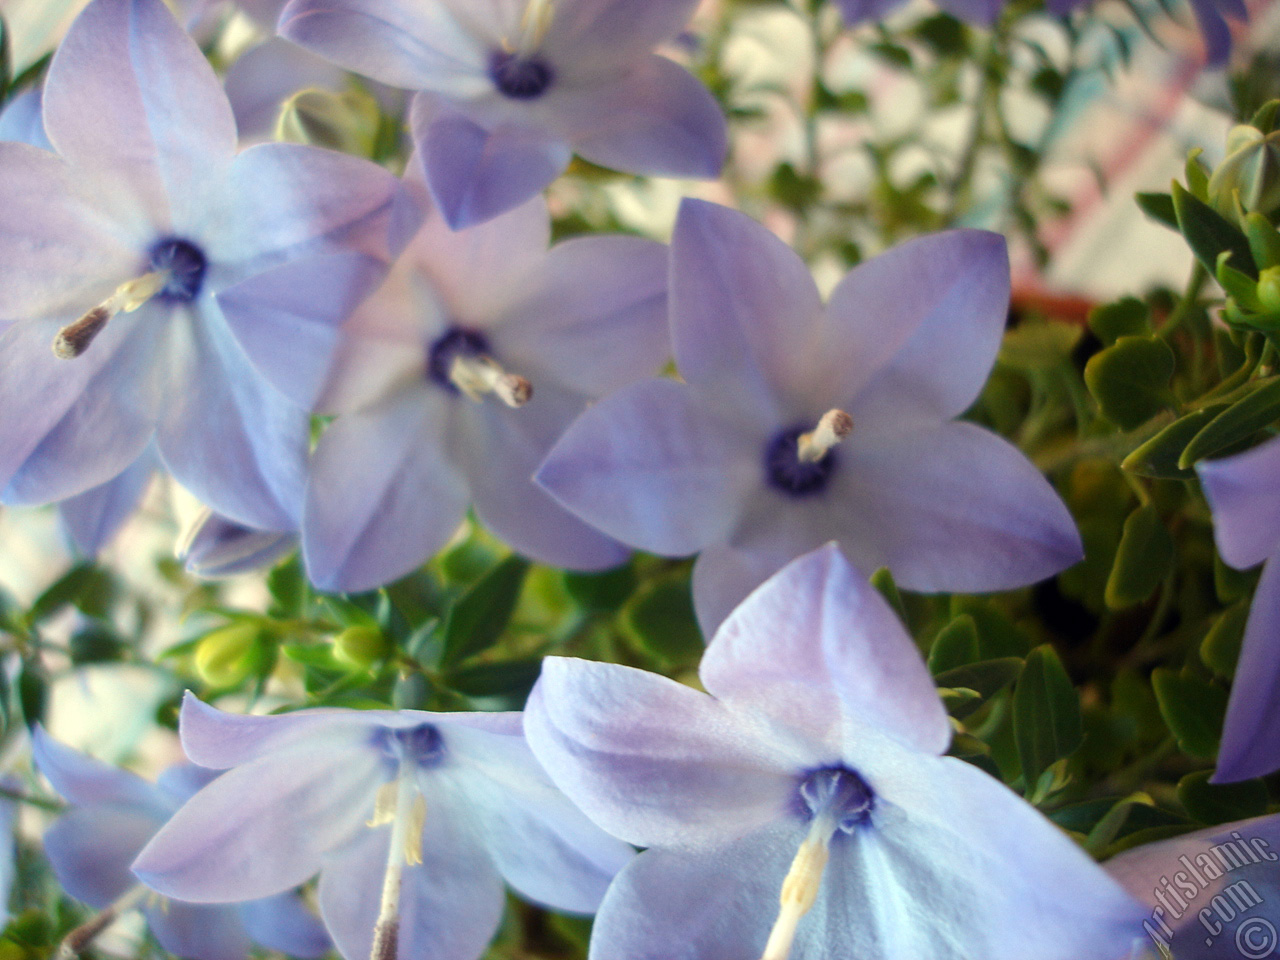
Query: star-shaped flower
pixel 1244 494
pixel 461 372
pixel 798 423
pixel 156 285
pixel 800 809
pixel 412 819
pixel 511 90
pixel 113 814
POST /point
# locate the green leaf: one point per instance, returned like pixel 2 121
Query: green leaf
pixel 1038 346
pixel 985 678
pixel 511 678
pixel 1230 584
pixel 476 621
pixel 1046 714
pixel 287 585
pixel 1214 803
pixel 1130 380
pixel 1235 425
pixel 1158 457
pixel 1192 708
pixel 661 620
pixel 883 581
pixel 349 614
pixel 1239 286
pixel 1209 233
pixel 1124 318
pixel 1142 559
pixel 95 643
pixel 998 636
pixel 955 645
pixel 601 592
pixel 85 586
pixel 1197 175
pixel 1159 207
pixel 1264 241
pixel 33 692
pixel 1220 649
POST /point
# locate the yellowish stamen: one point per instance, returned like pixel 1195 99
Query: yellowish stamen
pixel 74 339
pixel 800 888
pixel 477 376
pixel 833 427
pixel 534 25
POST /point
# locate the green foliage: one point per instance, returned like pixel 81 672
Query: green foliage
pixel 1130 380
pixel 1142 559
pixel 1046 715
pixel 1193 708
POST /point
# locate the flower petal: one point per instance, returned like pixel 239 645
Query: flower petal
pixel 913 333
pixel 219 740
pixel 91 847
pixel 450 904
pixel 81 780
pixel 544 846
pixel 383 494
pixel 656 119
pixel 475 173
pixel 1251 734
pixel 265 826
pixel 227 435
pixel 134 105
pixel 283 923
pixel 287 319
pixel 953 508
pixel 1244 493
pixel 650 467
pixel 94 517
pixel 653 761
pixel 22 120
pixel 417 46
pixel 743 308
pixel 982 12
pixel 597 318
pixel 199 932
pixel 845 651
pixel 221 548
pixel 598 35
pixel 861 11
pixel 501 448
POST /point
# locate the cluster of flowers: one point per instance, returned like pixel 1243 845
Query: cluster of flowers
pixel 172 303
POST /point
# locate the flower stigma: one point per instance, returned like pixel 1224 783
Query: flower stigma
pixel 460 362
pixel 838 800
pixel 515 69
pixel 833 427
pixel 799 462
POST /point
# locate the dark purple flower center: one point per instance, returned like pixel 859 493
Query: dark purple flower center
pixel 186 265
pixel 455 342
pixel 422 746
pixel 787 473
pixel 519 77
pixel 840 793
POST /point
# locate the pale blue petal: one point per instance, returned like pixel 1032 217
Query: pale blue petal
pixel 913 333
pixel 982 12
pixel 283 923
pixel 134 105
pixel 94 517
pixel 1251 734
pixel 22 120
pixel 265 826
pixel 649 466
pixel 182 781
pixel 382 495
pixel 656 119
pixel 599 35
pixel 1244 494
pixel 91 848
pixel 475 173
pixel 223 548
pixel 655 762
pixel 845 653
pixel 544 846
pixel 199 932
pixel 861 11
pixel 954 508
pixel 81 780
pixel 261 79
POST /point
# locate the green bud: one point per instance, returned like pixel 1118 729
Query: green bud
pixel 1269 289
pixel 347 122
pixel 1248 179
pixel 360 647
pixel 225 657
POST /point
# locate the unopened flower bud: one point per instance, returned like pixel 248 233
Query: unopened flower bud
pixel 1269 289
pixel 225 657
pixel 1250 174
pixel 360 647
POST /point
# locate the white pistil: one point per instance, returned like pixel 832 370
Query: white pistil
pixel 74 339
pixel 834 426
pixel 477 376
pixel 407 817
pixel 800 888
pixel 80 938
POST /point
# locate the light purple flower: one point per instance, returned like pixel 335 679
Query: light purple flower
pixel 239 267
pixel 1212 895
pixel 20 120
pixel 412 819
pixel 1244 494
pixel 217 547
pixel 113 814
pixel 511 90
pixel 391 481
pixel 93 518
pixel 815 759
pixel 715 463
